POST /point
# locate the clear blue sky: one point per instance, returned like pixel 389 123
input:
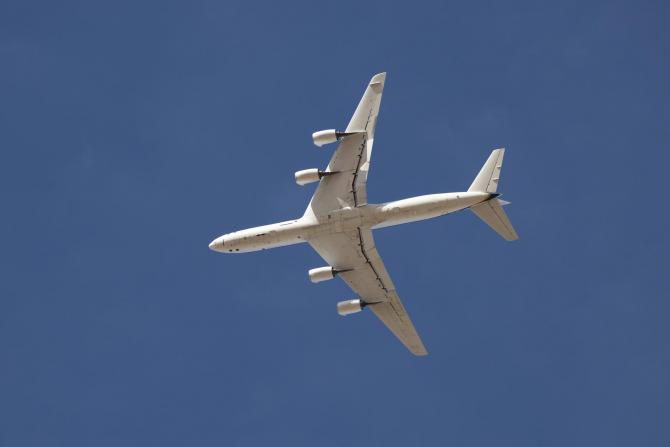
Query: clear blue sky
pixel 133 133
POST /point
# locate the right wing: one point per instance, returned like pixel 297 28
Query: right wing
pixel 355 255
pixel 351 160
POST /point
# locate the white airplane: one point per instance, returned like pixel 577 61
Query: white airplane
pixel 338 222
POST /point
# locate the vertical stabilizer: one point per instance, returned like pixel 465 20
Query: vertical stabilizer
pixel 487 179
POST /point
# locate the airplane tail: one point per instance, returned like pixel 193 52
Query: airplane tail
pixel 491 211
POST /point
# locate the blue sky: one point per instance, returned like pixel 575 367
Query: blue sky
pixel 133 133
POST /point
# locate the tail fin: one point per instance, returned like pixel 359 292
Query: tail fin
pixel 487 179
pixel 491 210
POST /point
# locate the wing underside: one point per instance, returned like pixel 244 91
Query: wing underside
pixel 355 254
pixel 351 160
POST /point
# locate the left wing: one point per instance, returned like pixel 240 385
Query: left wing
pixel 355 255
pixel 351 160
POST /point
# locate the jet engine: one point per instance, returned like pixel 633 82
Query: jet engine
pixel 322 274
pixel 323 137
pixel 310 176
pixel 350 307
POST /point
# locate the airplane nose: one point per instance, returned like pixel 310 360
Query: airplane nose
pixel 216 244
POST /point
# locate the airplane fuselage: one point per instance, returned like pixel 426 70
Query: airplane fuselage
pixel 346 219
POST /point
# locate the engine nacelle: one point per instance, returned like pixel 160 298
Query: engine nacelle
pixel 325 137
pixel 311 175
pixel 322 274
pixel 350 307
pixel 307 176
pixel 331 135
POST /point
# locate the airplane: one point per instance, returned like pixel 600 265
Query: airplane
pixel 338 221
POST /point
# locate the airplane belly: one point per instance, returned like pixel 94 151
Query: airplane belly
pixel 399 217
pixel 265 237
pixel 422 207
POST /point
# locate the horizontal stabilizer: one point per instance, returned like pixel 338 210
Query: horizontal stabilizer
pixel 492 213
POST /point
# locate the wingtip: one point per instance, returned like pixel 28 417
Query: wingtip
pixel 379 78
pixel 418 349
pixel 420 352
